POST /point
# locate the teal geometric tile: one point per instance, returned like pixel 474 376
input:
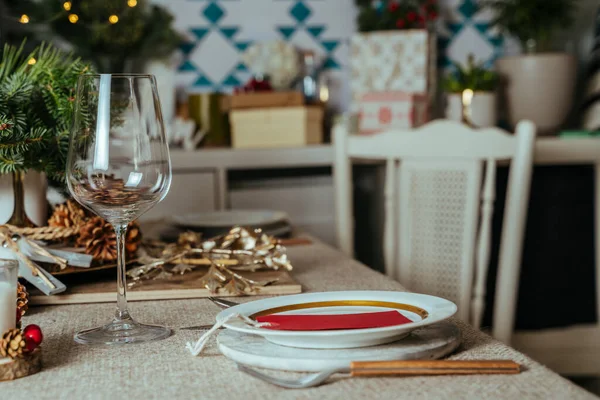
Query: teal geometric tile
pixel 241 67
pixel 496 41
pixel 330 63
pixel 241 46
pixel 482 27
pixel 199 32
pixel 330 45
pixel 300 12
pixel 186 66
pixel 231 81
pixel 454 27
pixel 229 32
pixel 202 81
pixel 468 8
pixel 213 12
pixel 316 30
pixel 286 31
pixel 186 48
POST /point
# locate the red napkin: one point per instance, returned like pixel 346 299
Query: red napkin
pixel 296 322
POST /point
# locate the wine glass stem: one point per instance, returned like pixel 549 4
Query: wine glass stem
pixel 122 313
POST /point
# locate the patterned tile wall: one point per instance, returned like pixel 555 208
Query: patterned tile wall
pixel 220 30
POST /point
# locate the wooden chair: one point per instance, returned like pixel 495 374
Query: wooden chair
pixel 439 199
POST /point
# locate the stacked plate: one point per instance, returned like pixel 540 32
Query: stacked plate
pixel 274 223
pixel 427 336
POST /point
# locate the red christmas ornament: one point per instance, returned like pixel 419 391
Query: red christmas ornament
pixel 393 7
pixel 33 336
pixel 400 23
pixel 411 16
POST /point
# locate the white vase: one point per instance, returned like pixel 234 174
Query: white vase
pixel 35 186
pixel 540 88
pixel 484 108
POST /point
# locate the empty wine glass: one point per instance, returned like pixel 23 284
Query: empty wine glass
pixel 118 167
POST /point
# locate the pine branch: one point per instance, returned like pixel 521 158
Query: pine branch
pixel 36 109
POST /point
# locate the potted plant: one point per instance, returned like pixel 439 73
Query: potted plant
pixel 482 82
pixel 395 47
pixel 37 91
pixel 539 83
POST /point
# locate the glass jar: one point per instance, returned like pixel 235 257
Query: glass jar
pixel 9 272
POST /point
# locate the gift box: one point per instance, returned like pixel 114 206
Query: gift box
pixel 403 60
pixel 276 127
pixel 392 110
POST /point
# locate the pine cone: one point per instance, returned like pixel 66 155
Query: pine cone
pixel 12 344
pixel 100 241
pixel 22 299
pixel 67 215
pixel 133 239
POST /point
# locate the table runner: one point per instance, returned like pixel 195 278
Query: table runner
pixel 166 370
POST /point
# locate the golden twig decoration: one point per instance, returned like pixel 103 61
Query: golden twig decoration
pixel 240 249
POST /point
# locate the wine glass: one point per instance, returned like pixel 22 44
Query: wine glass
pixel 118 167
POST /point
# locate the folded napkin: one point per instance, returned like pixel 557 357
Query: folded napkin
pixel 297 322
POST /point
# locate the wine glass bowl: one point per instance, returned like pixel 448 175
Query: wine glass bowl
pixel 118 167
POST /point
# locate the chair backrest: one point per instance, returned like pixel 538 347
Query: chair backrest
pixel 439 196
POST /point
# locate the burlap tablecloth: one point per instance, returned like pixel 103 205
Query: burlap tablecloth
pixel 166 370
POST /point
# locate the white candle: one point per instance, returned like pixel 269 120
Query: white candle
pixel 8 307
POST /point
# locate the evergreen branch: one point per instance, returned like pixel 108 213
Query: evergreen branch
pixel 36 109
pixel 9 149
pixel 8 164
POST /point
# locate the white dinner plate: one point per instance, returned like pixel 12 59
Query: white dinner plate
pixel 230 218
pixel 422 309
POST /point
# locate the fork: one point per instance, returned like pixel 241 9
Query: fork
pixel 393 368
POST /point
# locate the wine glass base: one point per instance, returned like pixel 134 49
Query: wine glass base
pixel 122 332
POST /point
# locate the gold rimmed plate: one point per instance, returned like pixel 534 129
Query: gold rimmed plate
pixel 421 309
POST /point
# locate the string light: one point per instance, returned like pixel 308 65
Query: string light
pixel 31 61
pixel 74 18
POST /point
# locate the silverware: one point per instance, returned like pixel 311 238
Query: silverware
pixel 394 368
pixel 223 303
pixel 197 328
pixel 301 383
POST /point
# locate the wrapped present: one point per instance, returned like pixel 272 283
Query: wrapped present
pixel 276 127
pixel 388 110
pixel 402 60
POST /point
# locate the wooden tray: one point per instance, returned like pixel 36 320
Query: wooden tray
pixel 180 287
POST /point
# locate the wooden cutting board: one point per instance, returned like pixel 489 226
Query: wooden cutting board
pixel 179 287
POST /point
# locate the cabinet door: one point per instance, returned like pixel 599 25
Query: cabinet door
pixel 190 192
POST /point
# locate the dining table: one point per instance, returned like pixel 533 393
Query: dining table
pixel 166 370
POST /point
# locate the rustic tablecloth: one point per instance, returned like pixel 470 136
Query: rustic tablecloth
pixel 166 370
